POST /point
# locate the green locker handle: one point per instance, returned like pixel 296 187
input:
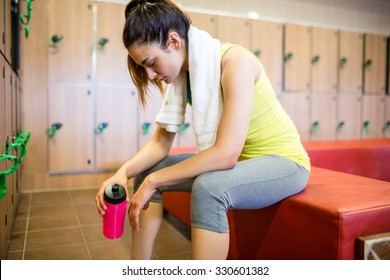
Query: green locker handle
pixel 102 42
pixel 100 128
pixel 341 125
pixel 145 128
pixel 315 59
pixel 4 174
pixel 366 126
pixel 367 63
pixel 183 128
pixel 288 56
pixel 343 61
pixel 386 126
pixel 56 40
pixel 52 130
pixel 25 19
pixel 314 127
pixel 20 148
pixel 257 53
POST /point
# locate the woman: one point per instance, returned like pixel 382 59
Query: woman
pixel 249 153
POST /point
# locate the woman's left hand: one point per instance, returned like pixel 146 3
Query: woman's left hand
pixel 140 201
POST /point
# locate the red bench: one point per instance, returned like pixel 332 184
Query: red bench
pixel 322 222
pixel 368 158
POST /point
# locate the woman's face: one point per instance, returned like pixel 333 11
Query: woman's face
pixel 161 64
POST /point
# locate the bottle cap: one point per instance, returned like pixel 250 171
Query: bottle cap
pixel 114 194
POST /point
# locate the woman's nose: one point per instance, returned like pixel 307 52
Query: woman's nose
pixel 151 73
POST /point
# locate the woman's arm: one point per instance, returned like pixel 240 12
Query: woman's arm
pixel 240 71
pixel 150 154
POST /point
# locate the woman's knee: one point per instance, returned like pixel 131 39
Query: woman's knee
pixel 208 208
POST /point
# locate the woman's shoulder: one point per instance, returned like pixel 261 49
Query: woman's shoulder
pixel 238 57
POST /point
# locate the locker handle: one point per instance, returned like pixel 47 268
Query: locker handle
pixel 102 42
pixel 257 53
pixel 25 19
pixel 314 127
pixel 386 126
pixel 52 130
pixel 366 126
pixel 55 40
pixel 315 59
pixel 367 63
pixel 341 125
pixel 343 61
pixel 20 147
pixel 100 128
pixel 183 128
pixel 145 128
pixel 288 56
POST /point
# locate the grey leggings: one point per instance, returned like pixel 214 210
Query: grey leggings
pixel 251 184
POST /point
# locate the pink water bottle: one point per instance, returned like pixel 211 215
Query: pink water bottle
pixel 114 218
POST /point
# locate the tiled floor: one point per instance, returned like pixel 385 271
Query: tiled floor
pixel 65 225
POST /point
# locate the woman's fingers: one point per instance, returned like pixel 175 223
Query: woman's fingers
pixel 101 206
pixel 134 212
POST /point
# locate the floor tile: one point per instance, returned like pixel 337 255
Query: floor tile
pixel 110 250
pixel 83 196
pixel 51 238
pixel 71 252
pixel 52 222
pixel 50 198
pixel 87 214
pixel 51 210
pixel 65 225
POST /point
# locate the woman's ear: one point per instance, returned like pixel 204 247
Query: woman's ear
pixel 174 40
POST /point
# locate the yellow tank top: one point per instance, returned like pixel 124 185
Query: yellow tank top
pixel 271 131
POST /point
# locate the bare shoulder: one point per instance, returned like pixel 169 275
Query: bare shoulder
pixel 239 60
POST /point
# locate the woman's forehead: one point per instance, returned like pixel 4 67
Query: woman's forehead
pixel 140 53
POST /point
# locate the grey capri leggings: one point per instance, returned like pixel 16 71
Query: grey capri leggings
pixel 251 184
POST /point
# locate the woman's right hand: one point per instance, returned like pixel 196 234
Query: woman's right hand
pixel 119 178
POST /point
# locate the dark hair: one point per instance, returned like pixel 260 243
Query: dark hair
pixel 149 22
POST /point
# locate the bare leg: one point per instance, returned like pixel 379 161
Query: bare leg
pixel 143 240
pixel 209 245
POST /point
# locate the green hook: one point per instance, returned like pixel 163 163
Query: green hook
pixel 183 128
pixel 366 125
pixel 102 42
pixel 56 39
pixel 25 19
pixel 19 145
pixel 257 53
pixel 52 131
pixel 288 56
pixel 386 126
pixel 100 128
pixel 367 63
pixel 145 128
pixel 314 127
pixel 341 125
pixel 343 61
pixel 315 59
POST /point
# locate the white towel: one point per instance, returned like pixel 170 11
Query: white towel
pixel 204 64
pixel 172 112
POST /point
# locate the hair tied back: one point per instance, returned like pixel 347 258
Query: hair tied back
pixel 132 5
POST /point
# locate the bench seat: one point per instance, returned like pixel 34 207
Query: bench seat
pixel 322 222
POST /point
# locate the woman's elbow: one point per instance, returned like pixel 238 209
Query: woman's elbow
pixel 229 160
